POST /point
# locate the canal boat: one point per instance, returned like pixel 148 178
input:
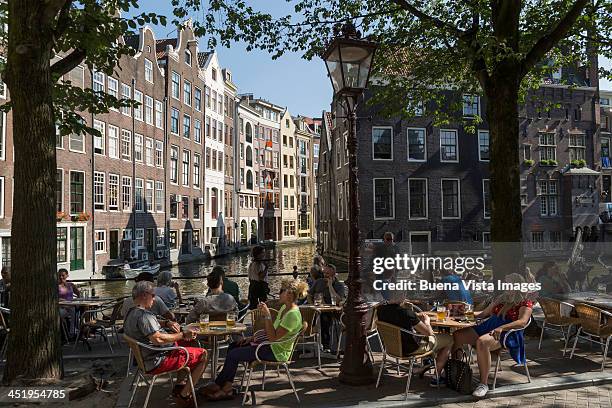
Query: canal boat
pixel 119 270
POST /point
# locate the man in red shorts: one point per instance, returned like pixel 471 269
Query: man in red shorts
pixel 142 325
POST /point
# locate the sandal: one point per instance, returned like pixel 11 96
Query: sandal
pixel 221 396
pixel 184 402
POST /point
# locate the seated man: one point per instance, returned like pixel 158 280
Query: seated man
pixel 159 308
pixel 216 301
pixel 142 325
pixel 406 318
pixel 460 295
pixel 330 288
pixel 229 287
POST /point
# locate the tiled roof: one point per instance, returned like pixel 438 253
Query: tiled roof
pixel 203 57
pixel 160 46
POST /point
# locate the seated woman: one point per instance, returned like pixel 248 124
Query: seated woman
pixel 67 291
pixel 288 323
pixel 168 290
pixel 510 310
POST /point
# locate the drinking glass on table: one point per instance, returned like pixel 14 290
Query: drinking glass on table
pixel 230 319
pixel 318 299
pixel 441 313
pixel 204 320
pixel 469 313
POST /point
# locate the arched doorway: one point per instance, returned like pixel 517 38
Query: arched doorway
pixel 243 232
pixel 253 232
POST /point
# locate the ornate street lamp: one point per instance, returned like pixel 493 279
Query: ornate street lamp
pixel 349 60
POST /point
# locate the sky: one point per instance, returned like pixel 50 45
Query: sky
pixel 289 81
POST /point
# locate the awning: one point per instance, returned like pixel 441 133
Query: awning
pixel 582 171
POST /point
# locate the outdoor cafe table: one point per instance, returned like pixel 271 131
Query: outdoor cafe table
pixel 451 323
pixel 85 302
pixel 215 331
pixel 600 300
pixel 335 334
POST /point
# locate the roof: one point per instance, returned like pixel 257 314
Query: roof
pixel 161 45
pixel 203 57
pixel 132 40
pixel 583 171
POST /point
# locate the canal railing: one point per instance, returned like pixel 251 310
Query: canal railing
pixel 295 275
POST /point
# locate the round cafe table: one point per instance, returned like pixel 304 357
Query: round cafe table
pixel 216 331
pixel 450 323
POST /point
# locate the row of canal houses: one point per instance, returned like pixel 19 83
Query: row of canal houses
pixel 195 170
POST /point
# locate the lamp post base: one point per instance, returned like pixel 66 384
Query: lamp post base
pixel 356 367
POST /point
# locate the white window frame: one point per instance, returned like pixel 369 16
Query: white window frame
pixel 117 139
pixel 130 190
pixel 3 195
pixel 98 81
pixel 138 110
pixel 148 70
pixel 392 198
pixel 426 198
pixel 175 87
pixel 149 118
pixel 159 200
pixel 372 137
pixel 101 127
pixel 159 154
pixel 71 148
pixel 126 110
pixel 118 195
pixel 103 241
pixel 136 145
pixel 149 149
pixel 482 131
pixel 149 204
pixel 159 114
pixel 137 182
pixel 126 135
pixel 541 244
pixel 456 132
pixel 97 176
pixel 113 90
pixel 442 180
pixel 187 84
pixel 470 115
pixel 408 145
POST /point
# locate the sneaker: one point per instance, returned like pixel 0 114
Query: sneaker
pixel 435 382
pixel 481 390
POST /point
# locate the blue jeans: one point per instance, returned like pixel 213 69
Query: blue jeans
pixel 235 355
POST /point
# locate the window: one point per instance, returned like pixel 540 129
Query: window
pixel 198 99
pixel 176 83
pixel 208 152
pixel 214 101
pixel 548 146
pixel 289 228
pixel 77 190
pixel 113 192
pixel 62 244
pixel 126 144
pixel 186 156
pixel 174 121
pixel 137 147
pixel 214 160
pixel 483 145
pixel 126 94
pixel 448 146
pixel 148 109
pixel 138 193
pixel 384 201
pixel 188 57
pixel 537 241
pixel 98 81
pixel 450 198
pixel 526 152
pixel 207 96
pixel 100 241
pixel 138 106
pixel 486 202
pixel 471 105
pixel 149 151
pixel 417 199
pixel 59 192
pixel 160 240
pixel 126 193
pixel 113 87
pixel 340 206
pixel 159 153
pixel 187 93
pixel 173 206
pixel 159 114
pixel 148 66
pixel 113 142
pixel 76 142
pixel 186 126
pixel 214 74
pixel 577 147
pixel 185 203
pixel 149 191
pixel 547 190
pixel 197 131
pixel 382 143
pixel 417 150
pixel 172 240
pixel 196 170
pixel 139 237
pixel 174 164
pixel 159 196
pixel 99 139
pixel 196 209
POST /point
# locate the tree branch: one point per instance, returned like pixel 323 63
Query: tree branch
pixel 52 8
pixel 69 62
pixel 63 20
pixel 342 20
pixel 426 17
pixel 555 33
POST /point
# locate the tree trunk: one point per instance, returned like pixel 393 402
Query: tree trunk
pixel 506 213
pixel 34 349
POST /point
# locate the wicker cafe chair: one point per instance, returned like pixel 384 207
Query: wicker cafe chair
pixel 284 364
pixel 499 352
pixel 311 335
pixel 391 338
pixel 553 317
pixel 257 319
pixel 594 322
pixel 141 373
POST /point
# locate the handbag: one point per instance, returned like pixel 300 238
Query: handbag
pixel 459 373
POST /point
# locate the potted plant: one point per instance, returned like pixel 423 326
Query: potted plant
pixel 529 162
pixel 83 216
pixel 578 163
pixel 60 216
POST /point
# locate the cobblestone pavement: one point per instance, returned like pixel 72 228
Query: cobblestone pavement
pixel 588 397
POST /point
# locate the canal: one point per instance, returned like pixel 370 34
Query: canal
pixel 188 275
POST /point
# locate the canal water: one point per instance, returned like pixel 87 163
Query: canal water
pixel 192 276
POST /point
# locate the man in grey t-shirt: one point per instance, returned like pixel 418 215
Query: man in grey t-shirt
pixel 142 325
pixel 216 302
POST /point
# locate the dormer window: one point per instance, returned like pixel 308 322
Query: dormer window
pixel 188 57
pixel 148 48
pixel 214 74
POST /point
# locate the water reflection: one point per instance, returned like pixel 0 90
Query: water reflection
pixel 285 257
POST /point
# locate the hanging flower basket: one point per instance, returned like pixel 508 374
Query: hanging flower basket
pixel 61 216
pixel 81 217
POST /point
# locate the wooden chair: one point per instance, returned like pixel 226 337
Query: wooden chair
pixel 141 374
pixel 594 322
pixel 499 352
pixel 312 335
pixel 284 364
pixel 554 318
pixel 391 338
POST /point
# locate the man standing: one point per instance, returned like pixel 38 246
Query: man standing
pixel 142 325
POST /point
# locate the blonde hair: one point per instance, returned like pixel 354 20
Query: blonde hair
pixel 511 298
pixel 298 288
